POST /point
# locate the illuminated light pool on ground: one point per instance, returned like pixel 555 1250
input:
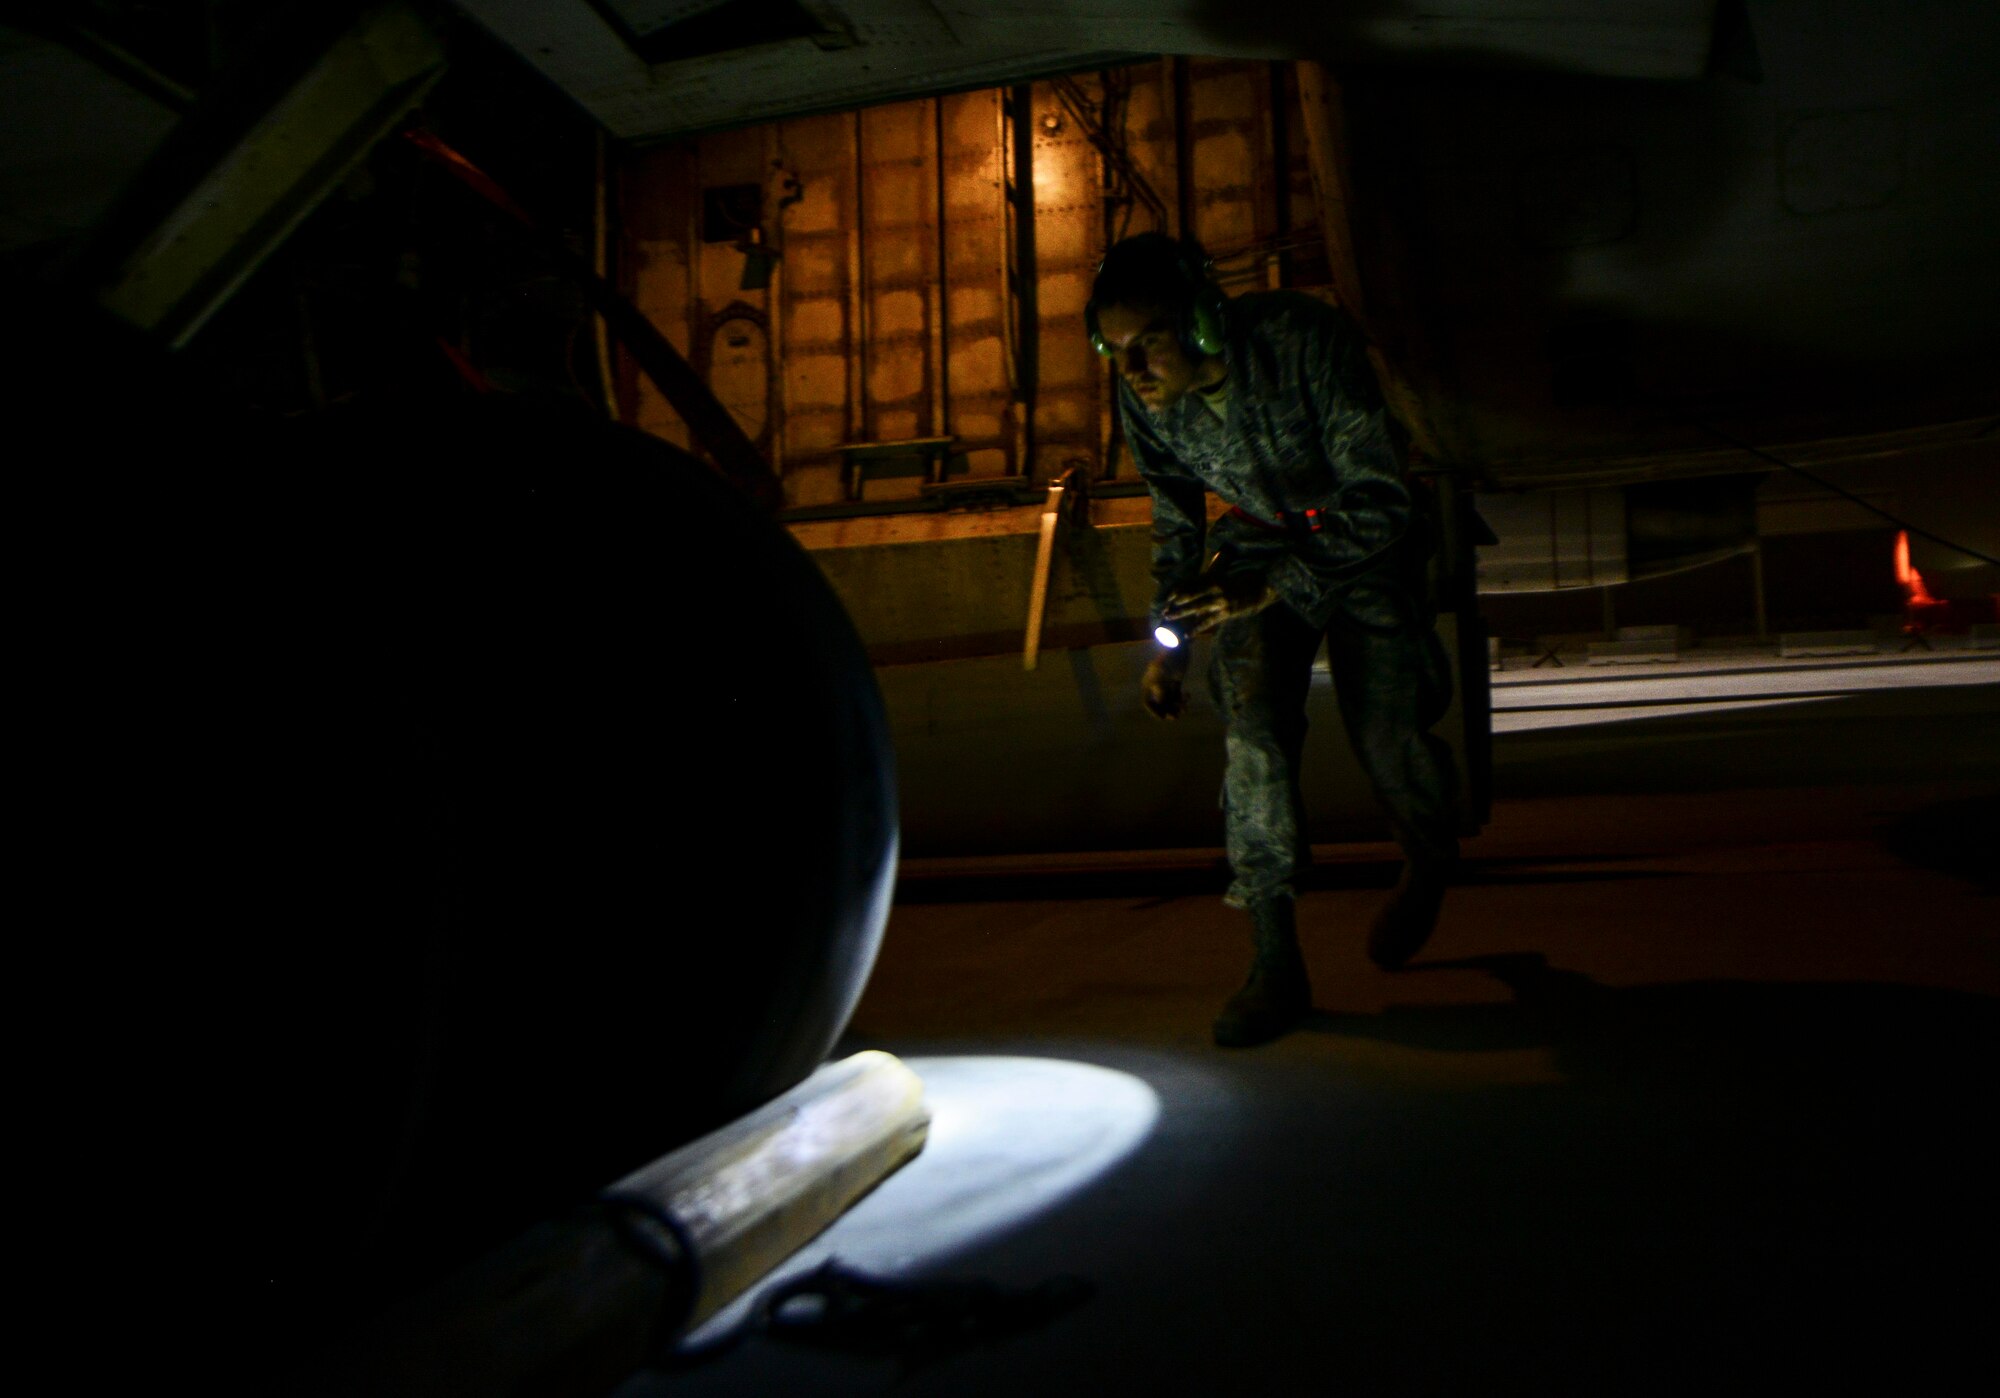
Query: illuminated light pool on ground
pixel 1010 1138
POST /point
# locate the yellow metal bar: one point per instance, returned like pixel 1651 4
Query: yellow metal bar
pixel 576 1304
pixel 753 1193
pixel 259 189
pixel 1038 589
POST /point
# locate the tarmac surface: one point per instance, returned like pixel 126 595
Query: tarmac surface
pixel 1691 1089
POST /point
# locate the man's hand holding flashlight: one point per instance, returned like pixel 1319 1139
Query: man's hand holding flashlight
pixel 1213 600
pixel 1205 605
pixel 1161 690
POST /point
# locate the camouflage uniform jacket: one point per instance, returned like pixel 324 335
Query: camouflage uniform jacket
pixel 1305 428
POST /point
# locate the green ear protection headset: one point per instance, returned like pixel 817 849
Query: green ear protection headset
pixel 1198 325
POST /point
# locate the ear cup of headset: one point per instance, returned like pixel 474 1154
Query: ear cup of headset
pixel 1201 322
pixel 1204 329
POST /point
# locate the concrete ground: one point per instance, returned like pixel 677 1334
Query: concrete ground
pixel 1689 1092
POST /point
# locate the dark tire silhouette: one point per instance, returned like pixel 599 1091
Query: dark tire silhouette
pixel 524 807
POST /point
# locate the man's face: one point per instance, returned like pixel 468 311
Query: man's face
pixel 1148 353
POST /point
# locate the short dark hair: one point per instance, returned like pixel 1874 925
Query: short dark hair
pixel 1150 269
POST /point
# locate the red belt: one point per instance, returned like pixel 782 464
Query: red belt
pixel 1289 521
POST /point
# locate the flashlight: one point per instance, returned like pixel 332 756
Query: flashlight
pixel 1171 635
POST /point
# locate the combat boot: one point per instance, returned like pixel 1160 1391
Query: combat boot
pixel 1404 923
pixel 1277 995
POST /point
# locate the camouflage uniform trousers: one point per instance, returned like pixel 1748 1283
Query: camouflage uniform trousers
pixel 1392 683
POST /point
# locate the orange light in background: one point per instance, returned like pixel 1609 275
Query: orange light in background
pixel 1920 609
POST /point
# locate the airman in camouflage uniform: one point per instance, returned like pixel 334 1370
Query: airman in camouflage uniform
pixel 1284 420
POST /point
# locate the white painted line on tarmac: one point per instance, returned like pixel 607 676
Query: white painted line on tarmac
pixel 1511 720
pixel 1654 691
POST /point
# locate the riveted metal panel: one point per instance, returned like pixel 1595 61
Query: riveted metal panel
pixel 738 367
pixel 816 433
pixel 1147 129
pixel 898 241
pixel 1229 131
pixel 815 233
pixel 1069 241
pixel 974 237
pixel 890 313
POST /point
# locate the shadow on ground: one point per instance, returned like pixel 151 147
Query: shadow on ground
pixel 1953 837
pixel 1729 1178
pixel 1710 1186
pixel 1163 884
pixel 1864 739
pixel 1733 1030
